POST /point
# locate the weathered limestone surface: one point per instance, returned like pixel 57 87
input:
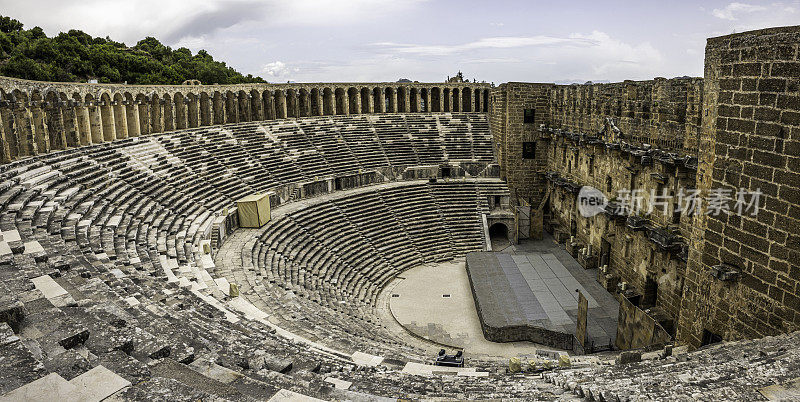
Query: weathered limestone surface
pixel 726 275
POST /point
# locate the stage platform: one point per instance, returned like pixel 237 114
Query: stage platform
pixel 530 295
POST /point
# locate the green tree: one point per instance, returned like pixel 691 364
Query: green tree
pixel 77 56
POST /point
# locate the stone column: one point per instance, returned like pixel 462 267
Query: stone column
pixel 193 112
pixel 27 143
pixel 10 132
pixel 71 126
pixel 55 125
pixel 379 106
pixel 40 129
pixel 144 116
pixel 107 120
pixel 120 120
pixel 5 152
pixel 84 123
pixel 393 101
pixel 132 118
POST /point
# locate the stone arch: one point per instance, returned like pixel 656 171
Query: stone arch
pixel 390 100
pixel 476 96
pixel 447 101
pixel 120 117
pixel 413 100
pixel 291 103
pixel 256 105
pixel 353 101
pixel 132 115
pixel 231 109
pixel 315 102
pixel 328 102
pixel 192 110
pixel 341 101
pixel 168 110
pixel 499 235
pixel 456 105
pixel 402 100
pixel 485 100
pixel 280 104
pixel 378 105
pixel 303 103
pixel 436 99
pixel 424 100
pixel 366 100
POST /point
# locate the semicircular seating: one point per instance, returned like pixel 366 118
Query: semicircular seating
pixel 101 260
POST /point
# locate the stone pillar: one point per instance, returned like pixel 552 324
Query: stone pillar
pixel 193 112
pixel 120 120
pixel 5 152
pixel 156 115
pixel 132 118
pixel 107 120
pixel 84 124
pixel 144 116
pixel 379 104
pixel 168 106
pixel 27 143
pixel 40 129
pixel 71 126
pixel 55 127
pixel 407 100
pixel 393 101
pixel 10 132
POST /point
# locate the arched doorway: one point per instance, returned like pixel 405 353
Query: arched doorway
pixel 498 235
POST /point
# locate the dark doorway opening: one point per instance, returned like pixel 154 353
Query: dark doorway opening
pixel 650 292
pixel 498 235
pixel 710 338
pixel 605 252
pixel 446 172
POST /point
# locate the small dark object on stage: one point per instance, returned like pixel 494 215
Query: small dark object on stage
pixel 456 360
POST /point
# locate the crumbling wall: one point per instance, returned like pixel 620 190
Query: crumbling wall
pixel 751 140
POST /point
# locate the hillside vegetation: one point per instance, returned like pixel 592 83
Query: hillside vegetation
pixel 76 56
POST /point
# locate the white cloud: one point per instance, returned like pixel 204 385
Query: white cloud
pixel 174 20
pixel 279 69
pixel 730 11
pixel 500 42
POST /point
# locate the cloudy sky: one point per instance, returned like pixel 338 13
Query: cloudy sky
pixel 384 40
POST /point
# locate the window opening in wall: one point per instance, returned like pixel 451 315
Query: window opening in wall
pixel 529 150
pixel 529 116
pixel 608 184
pixel 710 338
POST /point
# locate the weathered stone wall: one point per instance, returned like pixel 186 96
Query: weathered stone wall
pixel 665 113
pixel 736 128
pixel 509 130
pixel 37 117
pixel 751 140
pixel 636 329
